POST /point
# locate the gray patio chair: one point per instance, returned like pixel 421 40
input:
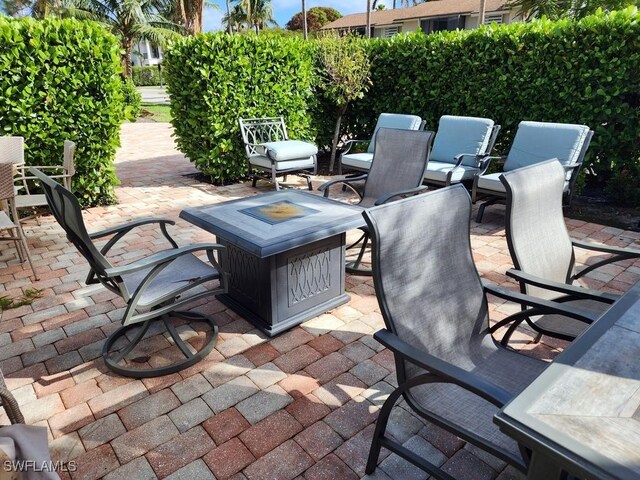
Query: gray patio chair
pixel 9 403
pixel 536 142
pixel 153 287
pixel 9 219
pixel 459 146
pixel 449 369
pixel 269 150
pixel 543 253
pixel 362 161
pixel 397 170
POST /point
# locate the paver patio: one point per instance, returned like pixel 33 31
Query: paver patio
pixel 300 405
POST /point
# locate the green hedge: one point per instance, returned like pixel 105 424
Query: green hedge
pixel 61 80
pixel 564 71
pixel 148 76
pixel 214 79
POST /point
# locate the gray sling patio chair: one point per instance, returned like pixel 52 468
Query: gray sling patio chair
pixel 153 287
pixel 399 161
pixel 269 150
pixel 543 252
pixel 535 142
pixel 449 369
pixel 362 161
pixel 458 148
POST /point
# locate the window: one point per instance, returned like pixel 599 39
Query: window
pixel 155 51
pixel 496 18
pixel 391 31
pixel 442 24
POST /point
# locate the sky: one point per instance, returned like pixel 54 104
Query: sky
pixel 285 9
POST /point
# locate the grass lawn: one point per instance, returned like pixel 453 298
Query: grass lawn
pixel 156 112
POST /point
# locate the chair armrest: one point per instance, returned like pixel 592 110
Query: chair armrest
pixel 346 146
pixel 599 247
pixel 159 258
pixel 347 181
pixel 460 157
pixel 451 373
pixel 130 225
pixel 570 290
pixel 403 193
pixel 542 306
pixel 486 162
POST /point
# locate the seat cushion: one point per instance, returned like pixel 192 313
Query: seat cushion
pixel 359 161
pixel 437 172
pixel 288 150
pixel 491 182
pixel 299 164
pixel 398 121
pixel 536 142
pixel 25 201
pixel 182 271
pixel 458 135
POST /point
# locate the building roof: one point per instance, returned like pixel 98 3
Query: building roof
pixel 422 10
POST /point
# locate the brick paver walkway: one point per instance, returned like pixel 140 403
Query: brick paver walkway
pixel 301 405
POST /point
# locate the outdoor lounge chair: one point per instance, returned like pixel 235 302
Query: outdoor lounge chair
pixel 536 142
pixel 397 170
pixel 449 369
pixel 459 146
pixel 362 161
pixel 153 287
pixel 9 219
pixel 269 150
pixel 543 253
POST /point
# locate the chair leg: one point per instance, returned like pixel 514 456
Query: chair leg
pixel 23 241
pixel 354 267
pixel 254 180
pixel 114 357
pixel 309 184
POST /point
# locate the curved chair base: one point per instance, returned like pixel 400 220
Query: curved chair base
pixel 356 267
pixel 114 357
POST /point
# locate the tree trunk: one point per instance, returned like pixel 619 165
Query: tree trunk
pixel 304 19
pixel 336 137
pixel 483 8
pixel 368 32
pixel 394 4
pixel 127 45
pixel 229 29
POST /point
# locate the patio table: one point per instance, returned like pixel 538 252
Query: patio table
pixel 582 414
pixel 285 254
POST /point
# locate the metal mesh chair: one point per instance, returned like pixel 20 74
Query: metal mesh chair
pixel 535 142
pixel 269 150
pixel 449 369
pixel 9 219
pixel 399 162
pixel 9 403
pixel 153 287
pixel 543 253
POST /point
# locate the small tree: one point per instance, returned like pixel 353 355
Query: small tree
pixel 344 71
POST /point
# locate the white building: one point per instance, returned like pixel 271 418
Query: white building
pixel 146 53
pixel 429 17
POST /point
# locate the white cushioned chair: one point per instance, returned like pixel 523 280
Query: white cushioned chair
pixel 536 142
pixel 269 150
pixel 362 161
pixel 460 144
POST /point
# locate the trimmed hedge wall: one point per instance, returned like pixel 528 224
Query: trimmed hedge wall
pixel 215 79
pixel 61 80
pixel 564 71
pixel 147 76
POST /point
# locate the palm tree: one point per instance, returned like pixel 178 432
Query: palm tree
pixel 259 13
pixel 483 8
pixel 35 8
pixel 129 20
pixel 304 19
pixel 368 26
pixel 235 19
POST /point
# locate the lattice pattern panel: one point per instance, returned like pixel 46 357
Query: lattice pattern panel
pixel 308 275
pixel 245 277
pixel 262 132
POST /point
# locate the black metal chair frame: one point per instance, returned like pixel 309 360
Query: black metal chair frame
pixel 494 197
pixel 255 132
pixel 163 307
pixel 355 267
pixel 441 371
